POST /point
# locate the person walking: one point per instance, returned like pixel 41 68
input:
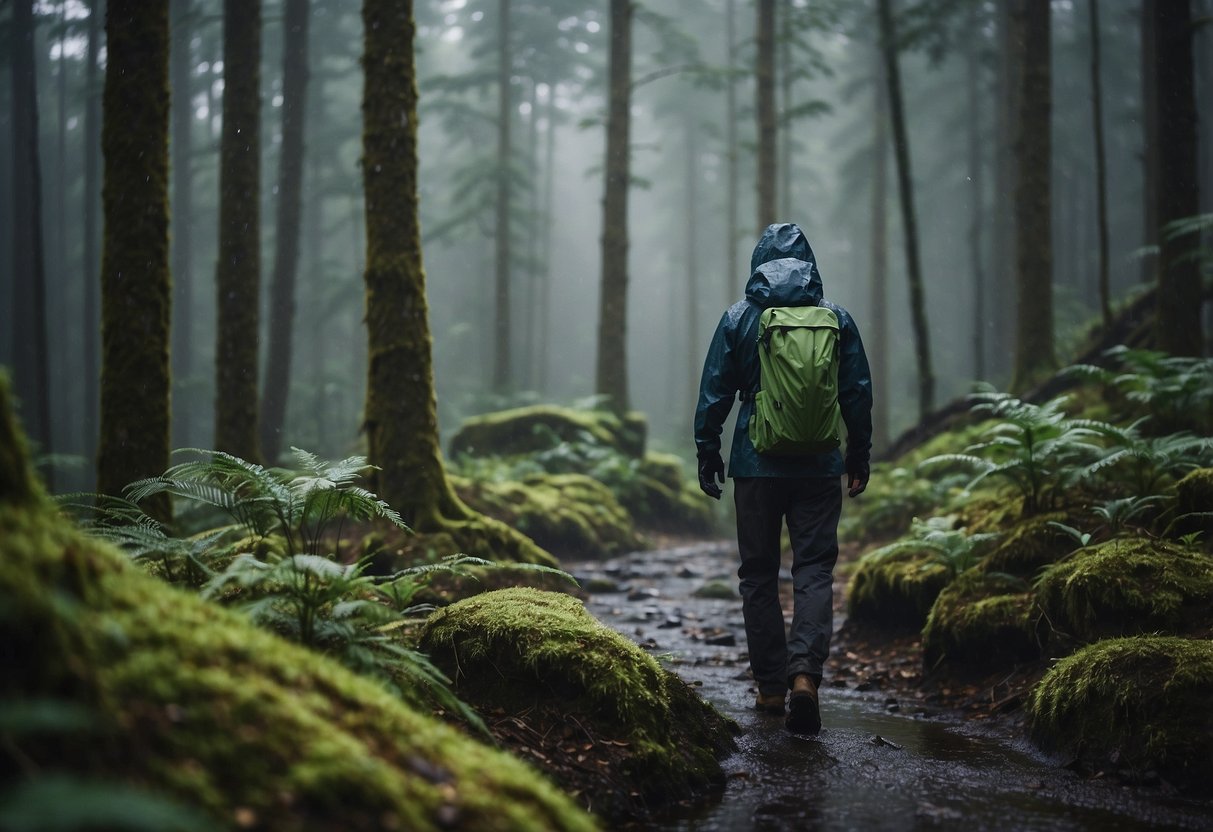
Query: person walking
pixel 801 486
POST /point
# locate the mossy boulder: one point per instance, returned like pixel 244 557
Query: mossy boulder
pixel 569 515
pixel 1126 586
pixel 896 588
pixel 527 653
pixel 1030 545
pixel 1194 503
pixel 192 702
pixel 1139 703
pixel 980 620
pixel 525 430
pixel 662 499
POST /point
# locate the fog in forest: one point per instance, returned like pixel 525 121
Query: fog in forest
pixel 680 273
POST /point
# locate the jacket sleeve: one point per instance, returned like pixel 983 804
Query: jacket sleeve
pixel 855 395
pixel 717 389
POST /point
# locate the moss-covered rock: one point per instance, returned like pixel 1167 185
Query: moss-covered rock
pixel 527 651
pixel 193 702
pixel 897 588
pixel 981 620
pixel 1194 503
pixel 662 499
pixel 1030 545
pixel 524 430
pixel 1126 586
pixel 1141 703
pixel 569 515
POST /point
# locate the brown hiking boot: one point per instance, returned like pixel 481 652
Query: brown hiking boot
pixel 804 712
pixel 769 703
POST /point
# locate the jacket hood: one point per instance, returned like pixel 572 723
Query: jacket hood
pixel 788 281
pixel 782 239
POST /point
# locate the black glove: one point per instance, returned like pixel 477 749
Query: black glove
pixel 711 466
pixel 857 478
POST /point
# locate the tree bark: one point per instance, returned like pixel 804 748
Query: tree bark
pixel 238 275
pixel 1149 149
pixel 694 349
pixel 909 218
pixel 878 331
pixel 136 287
pixel 764 76
pixel 977 218
pixel 296 20
pixel 1006 108
pixel 182 117
pixel 1179 328
pixel 1034 353
pixel 612 369
pixel 30 348
pixel 783 163
pixel 1101 176
pixel 90 314
pixel 502 380
pixel 543 312
pixel 730 128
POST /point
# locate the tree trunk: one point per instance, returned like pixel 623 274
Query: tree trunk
pixel 878 331
pixel 30 350
pixel 694 349
pixel 180 70
pixel 502 380
pixel 731 289
pixel 527 319
pixel 1033 197
pixel 286 237
pixel 1101 176
pixel 1149 150
pixel 783 188
pixel 909 219
pixel 977 219
pixel 135 284
pixel 612 371
pixel 1179 327
pixel 547 217
pixel 91 316
pixel 238 275
pixel 764 76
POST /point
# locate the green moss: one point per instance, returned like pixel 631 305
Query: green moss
pixel 526 430
pixel 18 483
pixel 896 589
pixel 663 500
pixel 1194 496
pixel 570 515
pixel 989 512
pixel 519 648
pixel 1128 586
pixel 722 590
pixel 981 620
pixel 1140 701
pixel 196 703
pixel 1030 545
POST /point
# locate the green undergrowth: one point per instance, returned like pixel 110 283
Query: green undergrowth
pixel 193 703
pixel 526 430
pixel 1137 703
pixel 1194 504
pixel 569 515
pixel 1128 586
pixel 520 649
pixel 981 620
pixel 896 589
pixel 1030 545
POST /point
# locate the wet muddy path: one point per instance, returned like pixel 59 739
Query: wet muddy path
pixel 879 763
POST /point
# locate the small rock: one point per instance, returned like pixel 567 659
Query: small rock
pixel 721 640
pixel 879 740
pixel 643 594
pixel 670 623
pixel 687 572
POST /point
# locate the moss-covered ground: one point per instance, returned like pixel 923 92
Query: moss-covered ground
pixel 981 620
pixel 896 589
pixel 548 675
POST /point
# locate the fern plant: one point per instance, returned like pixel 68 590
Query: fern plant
pixel 950 546
pixel 1038 449
pixel 1148 460
pixel 1178 390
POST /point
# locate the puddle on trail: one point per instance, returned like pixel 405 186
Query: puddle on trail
pixel 870 769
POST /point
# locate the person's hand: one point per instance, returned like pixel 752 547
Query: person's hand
pixel 857 479
pixel 711 467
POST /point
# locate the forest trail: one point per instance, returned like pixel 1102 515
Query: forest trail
pixel 877 764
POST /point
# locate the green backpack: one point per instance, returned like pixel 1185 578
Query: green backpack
pixel 796 410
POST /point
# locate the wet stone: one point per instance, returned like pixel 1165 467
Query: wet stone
pixel 670 622
pixel 644 594
pixel 721 640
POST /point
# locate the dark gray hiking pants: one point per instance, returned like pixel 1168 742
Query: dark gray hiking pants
pixel 812 507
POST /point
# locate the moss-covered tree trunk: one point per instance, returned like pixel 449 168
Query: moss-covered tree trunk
pixel 296 20
pixel 501 320
pixel 238 274
pixel 1179 329
pixel 909 217
pixel 1149 149
pixel 977 217
pixel 29 344
pixel 764 78
pixel 1034 354
pixel 612 363
pixel 135 284
pixel 181 68
pixel 1101 175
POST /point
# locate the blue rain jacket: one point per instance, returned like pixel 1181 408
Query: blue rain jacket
pixel 783 272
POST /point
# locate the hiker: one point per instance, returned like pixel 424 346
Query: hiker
pixel 787 475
